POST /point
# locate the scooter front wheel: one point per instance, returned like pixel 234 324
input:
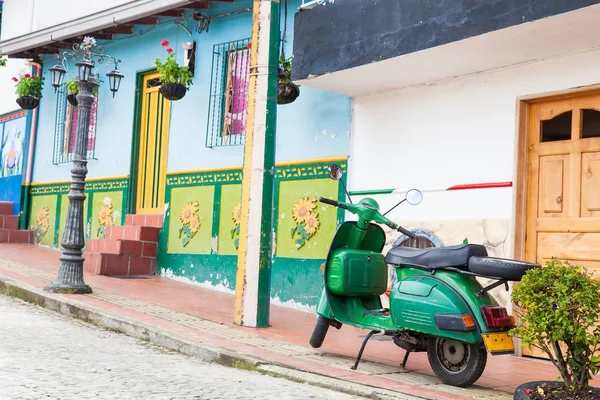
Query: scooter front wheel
pixel 456 363
pixel 319 333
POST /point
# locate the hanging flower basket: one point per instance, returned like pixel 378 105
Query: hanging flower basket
pixel 28 102
pixel 175 80
pixel 28 91
pixel 72 98
pixel 173 91
pixel 287 92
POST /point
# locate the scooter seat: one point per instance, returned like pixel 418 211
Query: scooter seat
pixel 436 257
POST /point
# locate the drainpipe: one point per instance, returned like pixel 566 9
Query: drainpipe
pixel 36 71
pixel 253 278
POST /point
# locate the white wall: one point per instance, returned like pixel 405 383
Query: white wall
pixel 13 68
pixel 458 132
pixel 27 16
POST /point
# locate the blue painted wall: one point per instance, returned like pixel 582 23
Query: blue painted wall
pixel 316 125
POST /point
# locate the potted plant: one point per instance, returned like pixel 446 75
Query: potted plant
pixel 287 91
pixel 29 91
pixel 2 62
pixel 73 90
pixel 559 313
pixel 175 80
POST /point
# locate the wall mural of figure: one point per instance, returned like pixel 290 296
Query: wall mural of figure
pixel 12 147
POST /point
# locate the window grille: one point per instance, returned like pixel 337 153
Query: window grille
pixel 65 128
pixel 228 104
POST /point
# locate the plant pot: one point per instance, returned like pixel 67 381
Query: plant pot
pixel 287 93
pixel 521 391
pixel 72 98
pixel 173 91
pixel 28 102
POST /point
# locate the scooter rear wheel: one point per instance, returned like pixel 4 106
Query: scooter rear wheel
pixel 456 363
pixel 319 333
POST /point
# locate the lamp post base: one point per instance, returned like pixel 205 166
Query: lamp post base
pixel 67 289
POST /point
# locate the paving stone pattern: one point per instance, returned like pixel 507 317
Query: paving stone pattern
pixel 44 355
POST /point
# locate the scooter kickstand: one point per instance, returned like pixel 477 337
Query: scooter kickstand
pixel 403 365
pixel 362 348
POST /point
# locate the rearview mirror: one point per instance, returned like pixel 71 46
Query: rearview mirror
pixel 335 172
pixel 414 197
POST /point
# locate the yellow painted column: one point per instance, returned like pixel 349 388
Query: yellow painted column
pixel 253 279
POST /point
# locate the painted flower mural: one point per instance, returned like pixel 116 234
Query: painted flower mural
pixel 307 220
pixel 105 217
pixel 42 223
pixel 12 151
pixel 236 217
pixel 190 221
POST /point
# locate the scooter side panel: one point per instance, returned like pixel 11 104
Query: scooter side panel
pixel 415 301
pixel 466 286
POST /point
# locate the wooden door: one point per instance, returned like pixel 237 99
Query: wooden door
pixel 563 190
pixel 153 144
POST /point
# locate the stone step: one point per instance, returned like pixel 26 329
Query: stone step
pixel 122 247
pixel 16 236
pixel 9 222
pixel 6 208
pixel 119 265
pixel 129 232
pixel 154 220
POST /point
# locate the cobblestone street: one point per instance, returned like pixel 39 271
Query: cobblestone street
pixel 44 355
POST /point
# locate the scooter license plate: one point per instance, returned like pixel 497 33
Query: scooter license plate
pixel 498 342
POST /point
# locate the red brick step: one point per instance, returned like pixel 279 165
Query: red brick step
pixel 16 236
pixel 6 208
pixel 9 222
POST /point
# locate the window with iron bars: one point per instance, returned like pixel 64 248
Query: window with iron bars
pixel 65 128
pixel 228 104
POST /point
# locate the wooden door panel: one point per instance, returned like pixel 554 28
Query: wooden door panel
pixel 552 170
pixel 590 184
pixel 153 145
pixel 569 246
pixel 563 184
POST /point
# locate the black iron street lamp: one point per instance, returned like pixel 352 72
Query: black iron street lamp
pixel 70 273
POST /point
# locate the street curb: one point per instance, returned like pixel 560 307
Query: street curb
pixel 169 340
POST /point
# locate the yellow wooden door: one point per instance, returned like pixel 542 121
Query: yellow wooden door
pixel 153 145
pixel 563 190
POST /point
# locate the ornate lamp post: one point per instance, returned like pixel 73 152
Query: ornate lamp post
pixel 70 273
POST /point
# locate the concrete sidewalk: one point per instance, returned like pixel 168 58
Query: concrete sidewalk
pixel 197 321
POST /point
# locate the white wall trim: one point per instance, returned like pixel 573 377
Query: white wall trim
pixel 90 23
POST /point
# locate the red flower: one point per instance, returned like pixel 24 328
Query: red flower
pixel 164 43
pixel 27 76
pixel 169 50
pixel 249 45
pixel 528 391
pixel 15 79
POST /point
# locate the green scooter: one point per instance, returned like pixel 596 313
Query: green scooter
pixel 437 305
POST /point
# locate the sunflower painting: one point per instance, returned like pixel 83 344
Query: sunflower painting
pixel 307 220
pixel 42 223
pixel 105 217
pixel 190 222
pixel 236 217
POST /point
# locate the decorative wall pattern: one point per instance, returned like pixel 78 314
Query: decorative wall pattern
pixel 303 228
pixel 104 206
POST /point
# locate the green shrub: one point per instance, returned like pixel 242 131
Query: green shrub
pixel 561 305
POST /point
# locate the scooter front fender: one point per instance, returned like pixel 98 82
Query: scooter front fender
pixel 323 307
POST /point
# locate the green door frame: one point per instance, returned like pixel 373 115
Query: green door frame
pixel 135 143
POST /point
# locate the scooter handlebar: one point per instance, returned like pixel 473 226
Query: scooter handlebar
pixel 332 202
pixel 400 229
